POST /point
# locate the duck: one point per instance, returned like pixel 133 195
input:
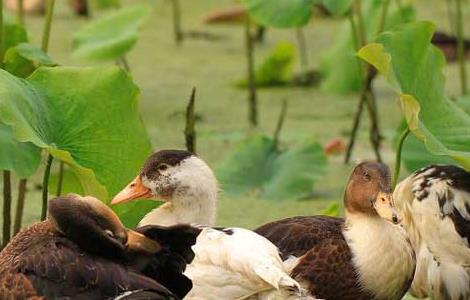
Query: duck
pixel 83 251
pixel 365 255
pixel 229 263
pixel 435 204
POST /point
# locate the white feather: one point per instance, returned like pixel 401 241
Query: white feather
pixel 235 265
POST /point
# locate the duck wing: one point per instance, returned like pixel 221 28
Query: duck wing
pixel 54 267
pixel 167 266
pixel 295 236
pixel 233 263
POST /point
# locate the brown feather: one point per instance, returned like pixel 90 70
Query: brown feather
pixel 41 262
pixel 325 265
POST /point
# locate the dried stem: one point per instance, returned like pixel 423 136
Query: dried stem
pixel 252 98
pixel 6 207
pixel 303 52
pixel 20 205
pixel 280 122
pixel 189 131
pixel 367 94
pixel 177 31
pixel 45 186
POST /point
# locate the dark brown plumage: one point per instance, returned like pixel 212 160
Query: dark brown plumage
pixel 326 265
pixel 326 261
pixel 55 259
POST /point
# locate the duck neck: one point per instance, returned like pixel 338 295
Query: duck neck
pixel 382 254
pixel 191 209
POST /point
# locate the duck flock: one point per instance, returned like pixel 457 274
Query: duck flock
pixel 415 238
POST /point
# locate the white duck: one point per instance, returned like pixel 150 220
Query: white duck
pixel 435 204
pixel 230 263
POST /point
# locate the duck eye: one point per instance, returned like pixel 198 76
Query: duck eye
pixel 109 232
pixel 367 176
pixel 162 167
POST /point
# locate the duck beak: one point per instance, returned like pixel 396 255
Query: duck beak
pixel 132 191
pixel 385 208
pixel 137 242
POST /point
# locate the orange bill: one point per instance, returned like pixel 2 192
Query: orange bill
pixel 137 242
pixel 132 191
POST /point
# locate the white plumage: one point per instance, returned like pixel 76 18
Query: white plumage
pixel 235 263
pixel 435 203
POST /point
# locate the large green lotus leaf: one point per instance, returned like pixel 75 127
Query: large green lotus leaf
pixel 258 166
pixel 294 172
pixel 247 167
pixel 415 68
pixel 339 66
pixel 21 158
pixel 280 13
pixel 24 58
pixel 112 36
pixel 86 117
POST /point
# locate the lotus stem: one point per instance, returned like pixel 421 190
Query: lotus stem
pixel 45 186
pixel 260 33
pixel 280 122
pixel 177 31
pixel 396 176
pixel 189 131
pixel 302 49
pixel 20 11
pixel 361 29
pixel 20 205
pixel 47 26
pixel 6 207
pixel 60 179
pixel 252 97
pixel 383 16
pixel 461 47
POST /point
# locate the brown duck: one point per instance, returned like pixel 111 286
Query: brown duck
pixel 83 251
pixel 364 256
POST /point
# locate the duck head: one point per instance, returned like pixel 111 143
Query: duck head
pixel 94 227
pixel 369 192
pixel 179 177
